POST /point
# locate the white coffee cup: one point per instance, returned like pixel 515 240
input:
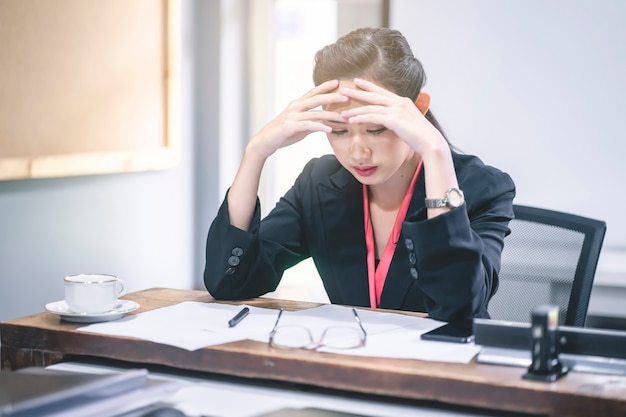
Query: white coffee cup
pixel 92 293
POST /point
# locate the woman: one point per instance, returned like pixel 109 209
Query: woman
pixel 394 219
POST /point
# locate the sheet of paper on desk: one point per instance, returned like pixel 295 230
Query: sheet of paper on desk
pixel 189 325
pixel 389 335
pixel 193 325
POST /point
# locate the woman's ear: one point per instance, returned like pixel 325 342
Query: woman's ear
pixel 423 102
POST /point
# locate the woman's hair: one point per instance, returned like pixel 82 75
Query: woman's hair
pixel 380 55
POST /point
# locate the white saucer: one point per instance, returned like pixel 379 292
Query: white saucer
pixel 121 308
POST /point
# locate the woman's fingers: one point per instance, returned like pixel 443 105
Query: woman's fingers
pixel 313 121
pixel 321 95
pixel 367 114
pixel 378 101
pixel 320 116
pixel 322 88
pixel 301 117
pixel 367 89
pixel 322 100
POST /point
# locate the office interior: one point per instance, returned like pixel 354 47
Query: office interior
pixel 535 88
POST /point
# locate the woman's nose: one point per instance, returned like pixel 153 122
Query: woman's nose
pixel 360 152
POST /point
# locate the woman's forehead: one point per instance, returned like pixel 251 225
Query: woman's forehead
pixel 350 104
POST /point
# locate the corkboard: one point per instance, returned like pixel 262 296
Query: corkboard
pixel 88 87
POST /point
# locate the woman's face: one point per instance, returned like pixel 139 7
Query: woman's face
pixel 372 153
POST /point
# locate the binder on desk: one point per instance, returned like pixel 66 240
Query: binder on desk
pixel 45 392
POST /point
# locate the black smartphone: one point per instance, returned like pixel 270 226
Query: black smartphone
pixel 455 332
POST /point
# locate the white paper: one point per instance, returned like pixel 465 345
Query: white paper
pixel 389 335
pixel 189 325
pixel 193 325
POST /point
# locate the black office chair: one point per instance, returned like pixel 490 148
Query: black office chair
pixel 550 257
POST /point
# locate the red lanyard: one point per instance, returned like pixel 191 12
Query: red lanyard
pixel 376 275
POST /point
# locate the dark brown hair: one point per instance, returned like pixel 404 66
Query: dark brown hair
pixel 381 55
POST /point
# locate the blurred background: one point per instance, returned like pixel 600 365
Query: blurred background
pixel 534 88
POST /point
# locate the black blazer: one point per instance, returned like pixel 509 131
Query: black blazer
pixel 446 266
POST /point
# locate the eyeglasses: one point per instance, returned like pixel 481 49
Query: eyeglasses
pixel 335 337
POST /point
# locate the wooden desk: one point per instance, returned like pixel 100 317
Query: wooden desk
pixel 43 339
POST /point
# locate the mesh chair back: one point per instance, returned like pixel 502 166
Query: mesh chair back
pixel 550 257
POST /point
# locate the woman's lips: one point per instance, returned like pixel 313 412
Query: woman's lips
pixel 365 171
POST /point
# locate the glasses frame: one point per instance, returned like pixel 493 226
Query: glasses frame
pixel 313 344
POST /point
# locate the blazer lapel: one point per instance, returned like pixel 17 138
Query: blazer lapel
pixel 399 278
pixel 342 221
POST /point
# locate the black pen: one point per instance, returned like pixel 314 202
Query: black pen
pixel 238 317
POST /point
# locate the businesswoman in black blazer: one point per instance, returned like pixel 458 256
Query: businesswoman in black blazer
pixel 394 219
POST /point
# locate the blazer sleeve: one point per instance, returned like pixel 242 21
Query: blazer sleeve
pixel 458 252
pixel 244 264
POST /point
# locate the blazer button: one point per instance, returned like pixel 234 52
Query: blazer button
pixel 413 272
pixel 230 271
pixel 233 261
pixel 408 242
pixel 237 251
pixel 412 258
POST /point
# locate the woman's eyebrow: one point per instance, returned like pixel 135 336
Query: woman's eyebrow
pixel 339 122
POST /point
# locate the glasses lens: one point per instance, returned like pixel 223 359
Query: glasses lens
pixel 342 338
pixel 292 336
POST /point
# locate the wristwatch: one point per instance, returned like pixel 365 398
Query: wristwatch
pixel 454 198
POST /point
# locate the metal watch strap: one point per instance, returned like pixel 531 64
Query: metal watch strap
pixel 435 202
pixel 454 198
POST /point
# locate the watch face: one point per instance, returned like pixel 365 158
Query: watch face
pixel 455 197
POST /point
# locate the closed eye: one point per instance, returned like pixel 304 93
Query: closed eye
pixel 339 132
pixel 377 131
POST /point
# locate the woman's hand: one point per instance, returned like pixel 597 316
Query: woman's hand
pixel 406 120
pixel 298 120
pixel 396 113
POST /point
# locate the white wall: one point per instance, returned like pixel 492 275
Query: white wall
pixel 538 89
